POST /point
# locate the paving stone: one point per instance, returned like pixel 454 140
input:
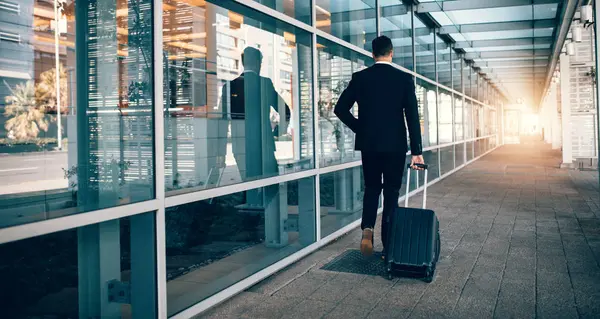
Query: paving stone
pixel 310 309
pixel 551 263
pixel 273 307
pixel 344 311
pixel 516 300
pixel 587 293
pixel 478 298
pixel 555 298
pixel 300 288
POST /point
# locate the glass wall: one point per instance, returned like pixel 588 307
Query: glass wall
pixel 341 199
pixel 445 114
pixel 105 270
pixel 424 50
pixel 459 129
pixel 102 155
pixel 352 21
pixel 238 96
pixel 214 243
pixel 427 100
pixel 395 23
pixel 443 62
pixel 298 9
pixel 335 67
pixel 200 148
pixel 457 78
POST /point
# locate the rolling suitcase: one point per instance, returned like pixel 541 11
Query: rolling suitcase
pixel 413 243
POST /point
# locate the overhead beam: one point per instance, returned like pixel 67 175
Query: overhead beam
pixel 457 5
pixel 498 26
pixel 503 42
pixel 567 13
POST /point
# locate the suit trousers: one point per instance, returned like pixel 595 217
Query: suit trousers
pixel 381 171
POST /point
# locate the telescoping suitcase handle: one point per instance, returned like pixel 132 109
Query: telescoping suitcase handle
pixel 425 167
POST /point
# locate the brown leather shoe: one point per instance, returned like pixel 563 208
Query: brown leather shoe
pixel 366 244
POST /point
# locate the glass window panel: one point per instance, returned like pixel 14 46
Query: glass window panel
pixel 66 274
pixel 424 50
pixel 298 9
pixel 503 14
pixel 467 79
pixel 341 199
pixel 447 159
pixel 444 76
pixel 335 68
pixel 474 85
pixel 238 96
pixel 105 157
pixel 445 116
pixel 426 97
pixel 470 151
pixel 350 20
pixel 215 243
pixel 478 119
pixel 459 154
pixel 456 72
pixel 458 118
pixel 396 24
pixel 431 159
pixel 468 119
pixel 441 18
pixel 512 34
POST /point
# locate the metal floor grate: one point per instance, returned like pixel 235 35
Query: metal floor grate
pixel 352 261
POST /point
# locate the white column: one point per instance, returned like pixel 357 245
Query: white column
pixel 555 119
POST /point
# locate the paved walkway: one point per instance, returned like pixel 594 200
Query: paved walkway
pixel 520 239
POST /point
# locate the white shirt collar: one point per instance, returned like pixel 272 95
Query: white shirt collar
pixel 383 62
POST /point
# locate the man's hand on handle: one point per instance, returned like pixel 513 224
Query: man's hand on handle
pixel 417 159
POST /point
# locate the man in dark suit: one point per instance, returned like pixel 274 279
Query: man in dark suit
pixel 385 95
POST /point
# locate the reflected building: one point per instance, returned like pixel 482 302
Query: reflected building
pixel 203 49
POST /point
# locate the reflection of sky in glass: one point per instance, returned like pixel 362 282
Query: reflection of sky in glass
pixel 334 6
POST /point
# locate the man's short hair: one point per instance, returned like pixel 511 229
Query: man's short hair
pixel 382 46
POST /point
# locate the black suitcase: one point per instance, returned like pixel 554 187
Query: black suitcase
pixel 413 243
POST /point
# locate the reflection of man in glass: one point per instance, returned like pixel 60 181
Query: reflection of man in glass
pixel 254 103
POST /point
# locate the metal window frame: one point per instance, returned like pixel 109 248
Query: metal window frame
pixel 161 201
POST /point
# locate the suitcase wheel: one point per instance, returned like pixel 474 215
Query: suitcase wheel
pixel 429 275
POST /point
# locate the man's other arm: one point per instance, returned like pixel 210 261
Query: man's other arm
pixel 345 103
pixel 411 110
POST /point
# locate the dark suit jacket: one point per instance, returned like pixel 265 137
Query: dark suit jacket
pixel 384 95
